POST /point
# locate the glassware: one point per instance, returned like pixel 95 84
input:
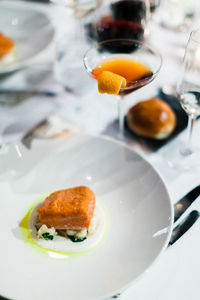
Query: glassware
pixel 130 50
pixel 188 90
pixel 120 19
pixel 154 4
pixel 178 15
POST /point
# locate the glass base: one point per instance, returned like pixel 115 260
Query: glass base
pixel 184 157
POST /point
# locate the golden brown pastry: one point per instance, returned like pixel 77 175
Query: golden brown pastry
pixel 152 118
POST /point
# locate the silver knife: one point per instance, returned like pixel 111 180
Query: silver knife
pixel 28 137
pixel 184 226
pixel 182 205
pixel 47 93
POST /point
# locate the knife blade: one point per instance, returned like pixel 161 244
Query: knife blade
pixel 28 137
pixel 32 92
pixel 182 205
pixel 184 226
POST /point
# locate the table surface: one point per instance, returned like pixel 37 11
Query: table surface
pixel 176 274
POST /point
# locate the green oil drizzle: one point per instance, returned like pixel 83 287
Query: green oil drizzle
pixel 50 253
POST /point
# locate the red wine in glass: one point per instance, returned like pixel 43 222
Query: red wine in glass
pixel 119 29
pixel 124 19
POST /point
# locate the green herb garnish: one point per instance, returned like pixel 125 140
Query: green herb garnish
pixel 75 239
pixel 47 236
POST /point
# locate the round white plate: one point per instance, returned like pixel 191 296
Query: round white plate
pixel 132 193
pixel 30 29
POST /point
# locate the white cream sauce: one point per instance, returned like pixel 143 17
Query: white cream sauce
pixel 60 243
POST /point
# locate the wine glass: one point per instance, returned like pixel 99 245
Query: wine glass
pixel 120 19
pixel 179 15
pixel 130 50
pixel 188 91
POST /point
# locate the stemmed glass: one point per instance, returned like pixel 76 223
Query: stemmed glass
pixel 179 15
pixel 188 90
pixel 120 19
pixel 126 48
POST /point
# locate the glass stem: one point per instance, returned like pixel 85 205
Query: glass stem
pixel 188 149
pixel 120 116
pixel 191 122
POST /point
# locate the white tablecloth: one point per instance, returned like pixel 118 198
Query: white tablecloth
pixel 176 273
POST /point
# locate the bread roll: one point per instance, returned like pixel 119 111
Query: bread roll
pixel 152 118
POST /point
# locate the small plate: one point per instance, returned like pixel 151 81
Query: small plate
pixel 30 29
pixel 134 197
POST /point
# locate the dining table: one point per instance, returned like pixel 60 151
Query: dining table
pixel 175 274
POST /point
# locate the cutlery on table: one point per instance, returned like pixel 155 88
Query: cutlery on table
pixel 48 128
pixel 184 226
pixel 32 92
pixel 182 205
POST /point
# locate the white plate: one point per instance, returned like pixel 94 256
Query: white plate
pixel 30 29
pixel 133 194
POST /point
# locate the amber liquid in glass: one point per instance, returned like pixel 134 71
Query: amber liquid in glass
pixel 137 74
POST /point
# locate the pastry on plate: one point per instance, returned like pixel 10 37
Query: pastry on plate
pixel 152 118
